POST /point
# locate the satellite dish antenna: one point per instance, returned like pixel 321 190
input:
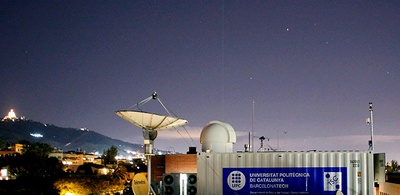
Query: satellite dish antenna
pixel 150 124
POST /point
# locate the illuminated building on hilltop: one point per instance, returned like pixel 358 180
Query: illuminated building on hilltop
pixel 12 116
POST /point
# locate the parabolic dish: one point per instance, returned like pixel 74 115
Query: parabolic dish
pixel 150 121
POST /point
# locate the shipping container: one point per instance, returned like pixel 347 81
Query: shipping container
pixel 319 173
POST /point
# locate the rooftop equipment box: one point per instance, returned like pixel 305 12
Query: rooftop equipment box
pixel 319 173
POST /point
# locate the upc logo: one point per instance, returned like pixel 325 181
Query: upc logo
pixel 236 180
pixel 333 181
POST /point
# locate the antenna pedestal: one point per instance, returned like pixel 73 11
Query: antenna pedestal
pixel 149 137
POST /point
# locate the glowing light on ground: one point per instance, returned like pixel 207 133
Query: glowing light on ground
pixel 36 135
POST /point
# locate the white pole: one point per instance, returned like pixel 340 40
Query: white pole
pixel 371 125
pixel 278 142
pixel 149 172
pixel 252 129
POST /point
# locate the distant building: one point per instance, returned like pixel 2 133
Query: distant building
pixel 12 151
pixel 93 169
pixel 73 159
pixel 12 116
pixel 17 148
pixel 4 173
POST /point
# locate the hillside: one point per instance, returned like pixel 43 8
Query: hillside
pixel 67 139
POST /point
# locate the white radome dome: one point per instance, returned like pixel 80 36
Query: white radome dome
pixel 217 136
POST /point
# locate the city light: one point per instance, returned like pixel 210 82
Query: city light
pixel 36 135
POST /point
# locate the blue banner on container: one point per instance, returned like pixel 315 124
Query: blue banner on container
pixel 288 180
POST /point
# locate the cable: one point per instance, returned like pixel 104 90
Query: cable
pixel 138 105
pixel 168 111
pixel 183 137
pixel 165 108
pixel 190 137
pixel 69 143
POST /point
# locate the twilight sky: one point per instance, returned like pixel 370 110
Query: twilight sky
pixel 311 68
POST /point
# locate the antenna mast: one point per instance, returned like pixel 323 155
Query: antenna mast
pixel 371 127
pixel 252 130
pixel 261 149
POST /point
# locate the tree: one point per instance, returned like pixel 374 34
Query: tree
pixel 34 161
pixel 392 167
pixel 110 154
pixel 5 160
pixel 121 173
pixel 37 149
pixel 3 145
pixel 95 185
pixel 35 165
pixel 395 165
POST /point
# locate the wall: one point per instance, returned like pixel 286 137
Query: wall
pixel 172 163
pixel 226 173
pixel 181 163
pixel 386 188
pixel 157 167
